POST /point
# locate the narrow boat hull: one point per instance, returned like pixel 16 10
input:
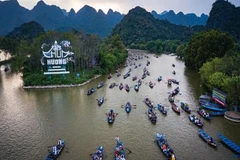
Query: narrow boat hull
pixel 230 143
pixel 207 138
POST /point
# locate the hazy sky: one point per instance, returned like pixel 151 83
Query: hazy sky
pixel 123 6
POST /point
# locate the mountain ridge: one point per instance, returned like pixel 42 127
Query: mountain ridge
pixel 52 17
pixel 140 26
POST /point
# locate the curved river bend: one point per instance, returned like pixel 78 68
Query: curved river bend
pixel 31 120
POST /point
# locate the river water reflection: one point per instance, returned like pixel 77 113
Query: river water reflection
pixel 31 120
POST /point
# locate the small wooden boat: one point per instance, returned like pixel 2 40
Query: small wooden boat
pixel 164 146
pixel 217 113
pixel 230 143
pixel 195 120
pixel 161 109
pixel 213 107
pixel 100 85
pixel 207 138
pixel 147 73
pixel 136 87
pixel 151 84
pixel 139 82
pixel 112 85
pixel 173 65
pixel 204 99
pixel 126 75
pixel 121 86
pixel 99 154
pixel 100 101
pixel 54 154
pixel 118 74
pixel 204 114
pixel 171 98
pixel 148 102
pixel 185 107
pixel 169 82
pixel 127 88
pixel 119 152
pixel 134 78
pixel 109 76
pixel 152 116
pixel 159 78
pixel 175 91
pixel 175 108
pixel 111 116
pixel 128 107
pixel 90 91
pixel 175 81
pixel 143 76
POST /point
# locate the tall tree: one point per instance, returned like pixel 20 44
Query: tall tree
pixel 207 45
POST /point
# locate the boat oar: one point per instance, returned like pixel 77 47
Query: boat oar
pixel 128 150
pixel 66 148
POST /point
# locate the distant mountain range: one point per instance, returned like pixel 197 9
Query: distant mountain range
pixel 52 17
pixel 189 19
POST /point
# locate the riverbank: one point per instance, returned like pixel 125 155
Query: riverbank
pixel 61 86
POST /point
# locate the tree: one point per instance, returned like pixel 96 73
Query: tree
pixel 112 53
pixel 180 50
pixel 232 88
pixel 205 46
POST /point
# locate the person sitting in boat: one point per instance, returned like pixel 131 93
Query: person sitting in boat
pixel 196 121
pixel 210 139
pixel 170 150
pixel 111 114
pixel 150 115
pixel 121 148
pixel 99 153
pixel 59 143
pixel 164 147
pixel 54 150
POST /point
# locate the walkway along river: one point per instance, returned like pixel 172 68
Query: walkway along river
pixel 31 120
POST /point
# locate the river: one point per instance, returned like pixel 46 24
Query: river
pixel 32 120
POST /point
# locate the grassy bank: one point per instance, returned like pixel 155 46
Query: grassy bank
pixel 39 79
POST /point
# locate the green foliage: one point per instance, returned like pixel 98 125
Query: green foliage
pixel 112 53
pixel 140 27
pixel 181 50
pixel 232 87
pixel 217 80
pixel 26 31
pixel 158 46
pixel 9 45
pixel 207 45
pixel 224 74
pixel 23 34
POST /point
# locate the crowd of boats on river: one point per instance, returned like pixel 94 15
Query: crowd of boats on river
pixel 205 103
